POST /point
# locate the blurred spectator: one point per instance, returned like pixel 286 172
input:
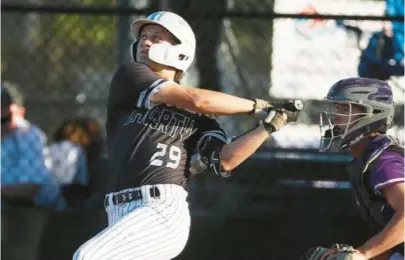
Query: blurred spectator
pixel 384 55
pixel 66 157
pixel 25 179
pixel 396 8
pixel 378 59
pixel 73 156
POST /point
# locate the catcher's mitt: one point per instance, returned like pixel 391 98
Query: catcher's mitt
pixel 342 252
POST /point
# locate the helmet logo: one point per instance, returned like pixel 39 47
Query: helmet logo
pixel 357 139
pixel 155 16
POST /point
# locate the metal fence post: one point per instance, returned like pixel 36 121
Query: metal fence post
pixel 123 36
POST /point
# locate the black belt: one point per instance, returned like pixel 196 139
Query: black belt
pixel 124 197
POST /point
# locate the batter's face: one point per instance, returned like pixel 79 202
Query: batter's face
pixel 151 34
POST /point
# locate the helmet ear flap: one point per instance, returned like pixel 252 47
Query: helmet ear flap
pixel 134 47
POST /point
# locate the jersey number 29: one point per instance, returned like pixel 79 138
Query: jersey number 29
pixel 174 156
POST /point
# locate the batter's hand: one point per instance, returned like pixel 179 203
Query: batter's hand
pixel 260 109
pixel 291 107
pixel 275 120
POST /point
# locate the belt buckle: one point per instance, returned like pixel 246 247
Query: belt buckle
pixel 138 193
pixel 126 196
pixel 129 197
pixel 115 199
pixel 154 192
pixel 106 202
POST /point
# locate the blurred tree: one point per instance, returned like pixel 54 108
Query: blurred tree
pixel 208 34
pixel 254 41
pixel 17 36
pixel 246 57
pixel 55 57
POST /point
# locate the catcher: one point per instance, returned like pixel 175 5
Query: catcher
pixel 361 111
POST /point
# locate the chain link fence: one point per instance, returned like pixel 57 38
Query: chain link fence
pixel 62 55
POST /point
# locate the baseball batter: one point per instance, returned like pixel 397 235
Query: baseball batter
pixel 159 134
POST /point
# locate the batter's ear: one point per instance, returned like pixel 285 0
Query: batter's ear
pixel 179 75
pixel 133 49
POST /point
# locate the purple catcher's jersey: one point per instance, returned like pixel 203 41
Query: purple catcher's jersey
pixel 388 170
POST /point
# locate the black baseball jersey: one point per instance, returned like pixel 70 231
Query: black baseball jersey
pixel 152 143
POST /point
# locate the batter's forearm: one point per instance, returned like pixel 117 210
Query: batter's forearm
pixel 202 100
pixel 217 103
pixel 389 237
pixel 242 148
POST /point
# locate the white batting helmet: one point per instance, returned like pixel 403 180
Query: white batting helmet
pixel 179 56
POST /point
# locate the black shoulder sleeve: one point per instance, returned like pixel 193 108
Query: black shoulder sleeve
pixel 133 85
pixel 209 145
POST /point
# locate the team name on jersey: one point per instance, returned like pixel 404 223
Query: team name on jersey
pixel 165 120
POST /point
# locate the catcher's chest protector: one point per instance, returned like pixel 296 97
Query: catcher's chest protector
pixel 371 206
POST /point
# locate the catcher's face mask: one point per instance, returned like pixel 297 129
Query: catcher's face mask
pixel 336 122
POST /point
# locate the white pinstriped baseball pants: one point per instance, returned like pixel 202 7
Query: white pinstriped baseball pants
pixel 151 228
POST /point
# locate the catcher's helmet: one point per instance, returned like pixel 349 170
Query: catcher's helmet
pixel 179 56
pixel 375 96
